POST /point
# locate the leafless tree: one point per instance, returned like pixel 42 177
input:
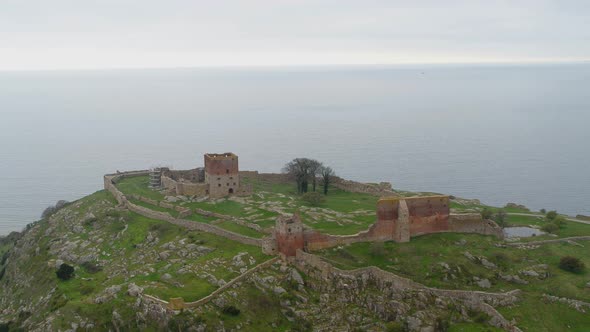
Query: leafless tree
pixel 298 168
pixel 327 174
pixel 314 170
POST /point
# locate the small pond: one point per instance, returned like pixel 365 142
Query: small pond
pixel 522 232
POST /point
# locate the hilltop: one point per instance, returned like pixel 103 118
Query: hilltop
pixel 134 273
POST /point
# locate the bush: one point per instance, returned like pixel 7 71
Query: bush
pixel 500 218
pixel 231 310
pixel 550 228
pixel 571 264
pixel 543 211
pixel 551 215
pixel 313 198
pixel 65 272
pixel 486 213
pixel 559 221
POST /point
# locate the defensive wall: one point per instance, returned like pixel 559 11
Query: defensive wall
pixel 398 219
pixel 387 282
pixel 109 183
pixel 381 189
pixel 178 303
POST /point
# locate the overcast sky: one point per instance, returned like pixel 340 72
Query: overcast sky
pixel 62 34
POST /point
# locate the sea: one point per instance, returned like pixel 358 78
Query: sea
pixel 498 133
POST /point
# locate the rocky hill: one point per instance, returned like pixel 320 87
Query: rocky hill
pixel 130 271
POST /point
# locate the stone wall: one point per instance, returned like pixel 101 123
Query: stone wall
pixel 473 223
pixel 109 183
pixel 178 303
pixel 314 267
pixel 192 189
pixel 398 219
pixel 381 189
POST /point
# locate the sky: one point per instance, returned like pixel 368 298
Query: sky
pixel 83 34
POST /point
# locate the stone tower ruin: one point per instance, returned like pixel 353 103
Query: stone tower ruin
pixel 221 173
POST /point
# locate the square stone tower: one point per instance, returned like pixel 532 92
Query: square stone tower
pixel 221 173
pixel 289 235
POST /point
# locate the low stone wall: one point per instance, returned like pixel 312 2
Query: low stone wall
pixel 473 223
pixel 231 283
pixel 109 183
pixel 537 243
pixel 381 189
pixel 229 218
pixel 178 302
pixel 313 266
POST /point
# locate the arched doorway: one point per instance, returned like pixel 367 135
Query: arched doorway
pixel 231 190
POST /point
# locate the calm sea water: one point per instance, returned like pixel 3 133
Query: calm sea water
pixel 497 133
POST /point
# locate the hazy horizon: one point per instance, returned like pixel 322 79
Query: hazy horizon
pixel 63 34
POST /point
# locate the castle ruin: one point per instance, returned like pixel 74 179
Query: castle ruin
pixel 219 178
pixel 398 219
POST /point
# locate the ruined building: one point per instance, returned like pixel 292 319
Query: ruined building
pixel 398 219
pixel 219 178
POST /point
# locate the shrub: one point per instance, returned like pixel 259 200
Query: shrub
pixel 500 218
pixel 231 310
pixel 543 211
pixel 571 264
pixel 559 221
pixel 551 215
pixel 65 272
pixel 313 198
pixel 486 213
pixel 550 228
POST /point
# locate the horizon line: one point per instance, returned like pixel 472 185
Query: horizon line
pixel 318 65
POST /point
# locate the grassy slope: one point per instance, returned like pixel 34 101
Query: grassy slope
pixel 76 296
pixel 420 258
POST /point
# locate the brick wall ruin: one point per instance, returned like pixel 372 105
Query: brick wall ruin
pixel 398 219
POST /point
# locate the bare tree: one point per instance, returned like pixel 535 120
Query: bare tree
pixel 327 174
pixel 314 170
pixel 298 168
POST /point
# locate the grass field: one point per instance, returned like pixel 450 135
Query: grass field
pixel 421 260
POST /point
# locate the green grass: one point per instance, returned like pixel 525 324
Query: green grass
pixel 236 228
pixel 420 260
pixel 138 185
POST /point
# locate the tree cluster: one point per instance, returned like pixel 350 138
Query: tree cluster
pixel 305 171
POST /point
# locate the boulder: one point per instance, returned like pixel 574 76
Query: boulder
pixel 484 283
pixel 296 277
pixel 278 290
pixel 134 290
pixel 530 273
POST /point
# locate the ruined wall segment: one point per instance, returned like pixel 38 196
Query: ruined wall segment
pixel 289 235
pixel 413 216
